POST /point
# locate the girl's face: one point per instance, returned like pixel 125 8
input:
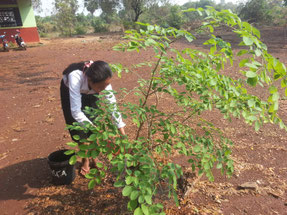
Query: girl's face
pixel 100 86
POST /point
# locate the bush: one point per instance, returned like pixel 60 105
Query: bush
pixel 175 18
pixel 99 25
pixel 193 83
pixel 80 29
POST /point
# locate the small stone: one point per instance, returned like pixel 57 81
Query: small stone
pixel 275 195
pixel 248 186
pixel 258 182
pixel 218 201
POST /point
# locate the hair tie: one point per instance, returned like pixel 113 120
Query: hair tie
pixel 87 64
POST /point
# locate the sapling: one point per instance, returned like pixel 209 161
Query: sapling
pixel 177 88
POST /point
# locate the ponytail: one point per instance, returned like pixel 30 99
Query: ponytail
pixel 74 66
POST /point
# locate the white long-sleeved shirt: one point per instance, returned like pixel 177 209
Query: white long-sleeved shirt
pixel 77 83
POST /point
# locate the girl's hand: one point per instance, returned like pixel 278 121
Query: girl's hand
pixel 122 131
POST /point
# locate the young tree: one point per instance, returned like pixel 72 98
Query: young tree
pixel 193 82
pixel 66 15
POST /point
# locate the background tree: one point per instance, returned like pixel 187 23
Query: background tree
pixel 134 6
pixel 138 7
pixel 166 15
pixel 109 9
pixel 66 15
pixel 37 5
pixel 175 18
pixel 254 11
pixel 204 3
pixel 91 5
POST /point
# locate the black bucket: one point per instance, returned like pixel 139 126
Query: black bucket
pixel 62 172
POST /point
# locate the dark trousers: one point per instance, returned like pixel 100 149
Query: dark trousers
pixel 87 100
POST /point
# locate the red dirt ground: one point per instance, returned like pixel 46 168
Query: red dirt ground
pixel 32 126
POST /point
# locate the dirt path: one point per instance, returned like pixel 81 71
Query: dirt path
pixel 32 127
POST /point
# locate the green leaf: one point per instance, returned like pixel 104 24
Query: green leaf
pixel 273 89
pixel 89 176
pixel 69 152
pixel 150 27
pixel 172 128
pixel 127 190
pixel 189 37
pixel 129 180
pixel 119 184
pixel 73 160
pixel 273 107
pixel 258 52
pixel 93 137
pixel 138 211
pixel 76 137
pixel 82 154
pixel 252 81
pixel 99 165
pixel 251 74
pixel 72 144
pixel 148 199
pixel 91 184
pixel 250 65
pixel 175 197
pixel 257 125
pixel 134 195
pixel 105 136
pixel 141 199
pixel 94 154
pixel 247 41
pixel 83 147
pixel 243 62
pixel 256 32
pixel 132 205
pixel 197 148
pixel 275 96
pixel 145 209
pixel 242 52
pixel 251 103
pixel 219 166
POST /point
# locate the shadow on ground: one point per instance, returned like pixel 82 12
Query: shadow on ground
pixel 17 178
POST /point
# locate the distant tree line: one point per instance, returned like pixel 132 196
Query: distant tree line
pixel 118 15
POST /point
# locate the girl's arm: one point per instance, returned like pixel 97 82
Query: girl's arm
pixel 115 115
pixel 76 97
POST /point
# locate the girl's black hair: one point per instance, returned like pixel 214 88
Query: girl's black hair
pixel 74 66
pixel 97 72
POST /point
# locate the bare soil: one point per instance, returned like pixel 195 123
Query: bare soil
pixel 32 126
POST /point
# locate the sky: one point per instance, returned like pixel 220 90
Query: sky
pixel 47 6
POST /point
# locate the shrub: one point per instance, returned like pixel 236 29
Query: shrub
pixel 80 29
pixel 99 25
pixel 192 82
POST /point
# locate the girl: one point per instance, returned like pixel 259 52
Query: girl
pixel 80 83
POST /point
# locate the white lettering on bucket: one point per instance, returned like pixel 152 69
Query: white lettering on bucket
pixel 59 173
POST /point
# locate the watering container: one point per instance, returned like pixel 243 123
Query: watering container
pixel 62 172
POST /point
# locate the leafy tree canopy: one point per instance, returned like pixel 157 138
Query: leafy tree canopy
pixel 91 5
